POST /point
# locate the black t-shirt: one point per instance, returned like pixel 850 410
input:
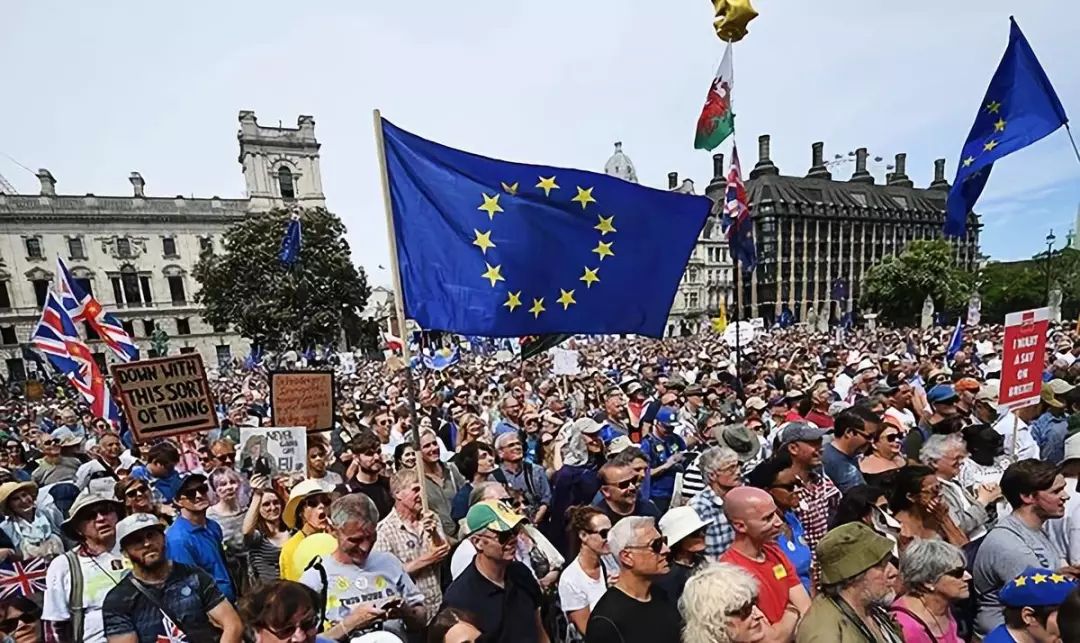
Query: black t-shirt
pixel 378 491
pixel 618 618
pixel 506 615
pixel 646 508
pixel 673 582
pixel 188 594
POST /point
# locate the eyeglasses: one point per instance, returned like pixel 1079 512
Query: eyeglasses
pixel 314 501
pixel 626 484
pixel 656 545
pixel 957 573
pixel 603 533
pixel 504 537
pixel 304 625
pixel 511 445
pixel 226 457
pixel 382 422
pixel 191 493
pixel 51 443
pixel 745 611
pixel 137 491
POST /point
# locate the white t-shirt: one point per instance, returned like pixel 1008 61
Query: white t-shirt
pixel 1026 446
pixel 100 574
pixel 577 590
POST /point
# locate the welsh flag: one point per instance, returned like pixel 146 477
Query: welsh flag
pixel 717 120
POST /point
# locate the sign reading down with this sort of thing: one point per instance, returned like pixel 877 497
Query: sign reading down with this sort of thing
pixel 302 398
pixel 165 396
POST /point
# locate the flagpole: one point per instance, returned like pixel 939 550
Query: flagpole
pixel 399 299
pixel 738 328
pixel 1073 141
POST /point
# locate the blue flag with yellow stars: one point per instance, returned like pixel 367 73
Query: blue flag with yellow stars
pixel 1020 108
pixel 501 249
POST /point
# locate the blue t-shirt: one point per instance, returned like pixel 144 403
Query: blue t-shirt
pixel 796 549
pixel 166 487
pixel 200 547
pixel 658 450
pixel 999 634
pixel 842 469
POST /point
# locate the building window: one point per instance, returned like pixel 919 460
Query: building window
pixel 33 249
pixel 91 334
pixel 184 350
pixel 123 248
pixel 206 244
pixel 129 327
pixel 148 327
pixel 16 369
pixel 168 247
pixel 99 359
pixel 182 326
pixel 285 183
pixel 7 335
pixel 176 289
pixel 693 299
pixel 130 283
pixel 5 299
pixel 41 290
pixel 144 285
pixel 221 328
pixel 75 248
pixel 224 356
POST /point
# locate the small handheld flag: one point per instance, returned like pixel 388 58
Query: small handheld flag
pixel 290 245
pixel 955 341
pixel 82 306
pixel 736 220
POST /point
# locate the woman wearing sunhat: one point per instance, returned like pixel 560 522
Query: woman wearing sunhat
pixel 34 533
pixel 307 511
pixel 685 533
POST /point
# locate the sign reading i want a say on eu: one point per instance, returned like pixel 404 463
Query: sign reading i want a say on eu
pixel 1023 354
pixel 165 396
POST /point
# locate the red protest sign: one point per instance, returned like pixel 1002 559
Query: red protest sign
pixel 1023 357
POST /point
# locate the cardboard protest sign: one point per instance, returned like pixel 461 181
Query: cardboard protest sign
pixel 35 391
pixel 566 361
pixel 1022 357
pixel 165 396
pixel 302 398
pixel 273 451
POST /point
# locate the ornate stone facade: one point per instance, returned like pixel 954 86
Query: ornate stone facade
pixel 136 253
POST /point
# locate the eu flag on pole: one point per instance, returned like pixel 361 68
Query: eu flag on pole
pixel 501 249
pixel 1020 107
pixel 290 245
pixel 956 341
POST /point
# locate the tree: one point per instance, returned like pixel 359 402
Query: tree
pixel 275 306
pixel 897 286
pixel 1021 285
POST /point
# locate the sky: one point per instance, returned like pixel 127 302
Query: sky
pixel 98 90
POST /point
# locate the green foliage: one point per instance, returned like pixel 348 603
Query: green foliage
pixel 278 307
pixel 897 286
pixel 1021 285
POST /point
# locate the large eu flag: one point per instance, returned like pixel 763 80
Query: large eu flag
pixel 501 249
pixel 1020 107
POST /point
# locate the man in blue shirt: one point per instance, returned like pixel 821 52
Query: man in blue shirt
pixel 1052 426
pixel 854 429
pixel 665 452
pixel 510 410
pixel 160 471
pixel 195 540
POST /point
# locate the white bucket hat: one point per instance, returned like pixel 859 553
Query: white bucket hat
pixel 680 522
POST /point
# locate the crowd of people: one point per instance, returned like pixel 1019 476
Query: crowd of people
pixel 816 487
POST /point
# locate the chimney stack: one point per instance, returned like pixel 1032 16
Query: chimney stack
pixel 861 175
pixel 939 182
pixel 718 168
pixel 48 182
pixel 137 184
pixel 672 180
pixel 899 176
pixel 818 170
pixel 764 165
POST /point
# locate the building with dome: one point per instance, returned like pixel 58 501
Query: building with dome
pixel 707 280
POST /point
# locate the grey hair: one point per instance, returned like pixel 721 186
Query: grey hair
pixel 506 399
pixel 624 531
pixel 354 506
pixel 480 490
pixel 923 562
pixel 504 437
pixel 713 592
pixel 937 446
pixel 714 459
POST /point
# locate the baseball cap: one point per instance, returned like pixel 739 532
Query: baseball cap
pixel 756 403
pixel 942 394
pixel 588 426
pixel 969 384
pixel 987 393
pixel 1046 394
pixel 493 515
pixel 619 444
pixel 136 523
pixel 666 416
pixel 190 480
pixel 849 550
pixel 1037 587
pixel 1059 386
pixel 800 432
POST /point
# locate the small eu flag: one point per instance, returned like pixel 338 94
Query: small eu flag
pixel 1020 108
pixel 501 249
pixel 290 245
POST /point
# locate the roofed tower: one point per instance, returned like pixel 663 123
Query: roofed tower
pixel 620 165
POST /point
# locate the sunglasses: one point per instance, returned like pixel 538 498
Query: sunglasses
pixel 226 457
pixel 314 501
pixel 51 443
pixel 894 438
pixel 745 611
pixel 626 484
pixel 137 491
pixel 603 533
pixel 791 486
pixel 191 493
pixel 957 573
pixel 504 537
pixel 656 545
pixel 306 625
pixel 511 445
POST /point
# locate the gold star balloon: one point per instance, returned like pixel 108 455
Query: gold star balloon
pixel 732 17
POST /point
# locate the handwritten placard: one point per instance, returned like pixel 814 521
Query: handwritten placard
pixel 165 396
pixel 302 398
pixel 273 451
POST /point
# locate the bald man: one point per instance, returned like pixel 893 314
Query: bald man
pixel 756 522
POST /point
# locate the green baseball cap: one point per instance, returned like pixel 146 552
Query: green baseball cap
pixel 493 515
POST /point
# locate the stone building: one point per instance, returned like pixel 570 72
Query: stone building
pixel 817 236
pixel 135 253
pixel 707 279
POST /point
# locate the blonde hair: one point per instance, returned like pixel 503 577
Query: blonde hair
pixel 709 596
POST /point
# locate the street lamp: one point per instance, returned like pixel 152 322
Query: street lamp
pixel 1050 239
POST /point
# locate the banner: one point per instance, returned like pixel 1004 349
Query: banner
pixel 165 396
pixel 302 398
pixel 273 451
pixel 566 361
pixel 1023 357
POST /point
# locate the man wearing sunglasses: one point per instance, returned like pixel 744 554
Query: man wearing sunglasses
pixel 633 610
pixel 854 429
pixel 194 539
pixel 619 485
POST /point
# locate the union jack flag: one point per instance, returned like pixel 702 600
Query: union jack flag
pixel 83 306
pixel 23 577
pixel 57 337
pixel 736 220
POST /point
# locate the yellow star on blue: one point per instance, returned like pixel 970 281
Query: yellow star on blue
pixel 999 126
pixel 584 197
pixel 547 185
pixel 566 297
pixel 604 250
pixel 993 107
pixel 537 307
pixel 605 226
pixel 491 205
pixel 968 161
pixel 513 300
pixel 483 240
pixel 990 145
pixel 493 274
pixel 590 276
pixel 510 188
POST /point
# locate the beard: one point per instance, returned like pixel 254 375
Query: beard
pixel 159 560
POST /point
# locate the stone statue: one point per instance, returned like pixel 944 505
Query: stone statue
pixel 974 314
pixel 823 318
pixel 159 341
pixel 1054 302
pixel 927 313
pixel 811 317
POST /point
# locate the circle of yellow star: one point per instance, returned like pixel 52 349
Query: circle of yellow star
pixel 584 197
pixel 547 185
pixel 1057 578
pixel 566 298
pixel 590 276
pixel 603 249
pixel 483 240
pixel 999 126
pixel 968 161
pixel 537 307
pixel 513 300
pixel 990 145
pixel 491 205
pixel 994 107
pixel 1020 581
pixel 605 225
pixel 510 188
pixel 493 274
pixel 1039 578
